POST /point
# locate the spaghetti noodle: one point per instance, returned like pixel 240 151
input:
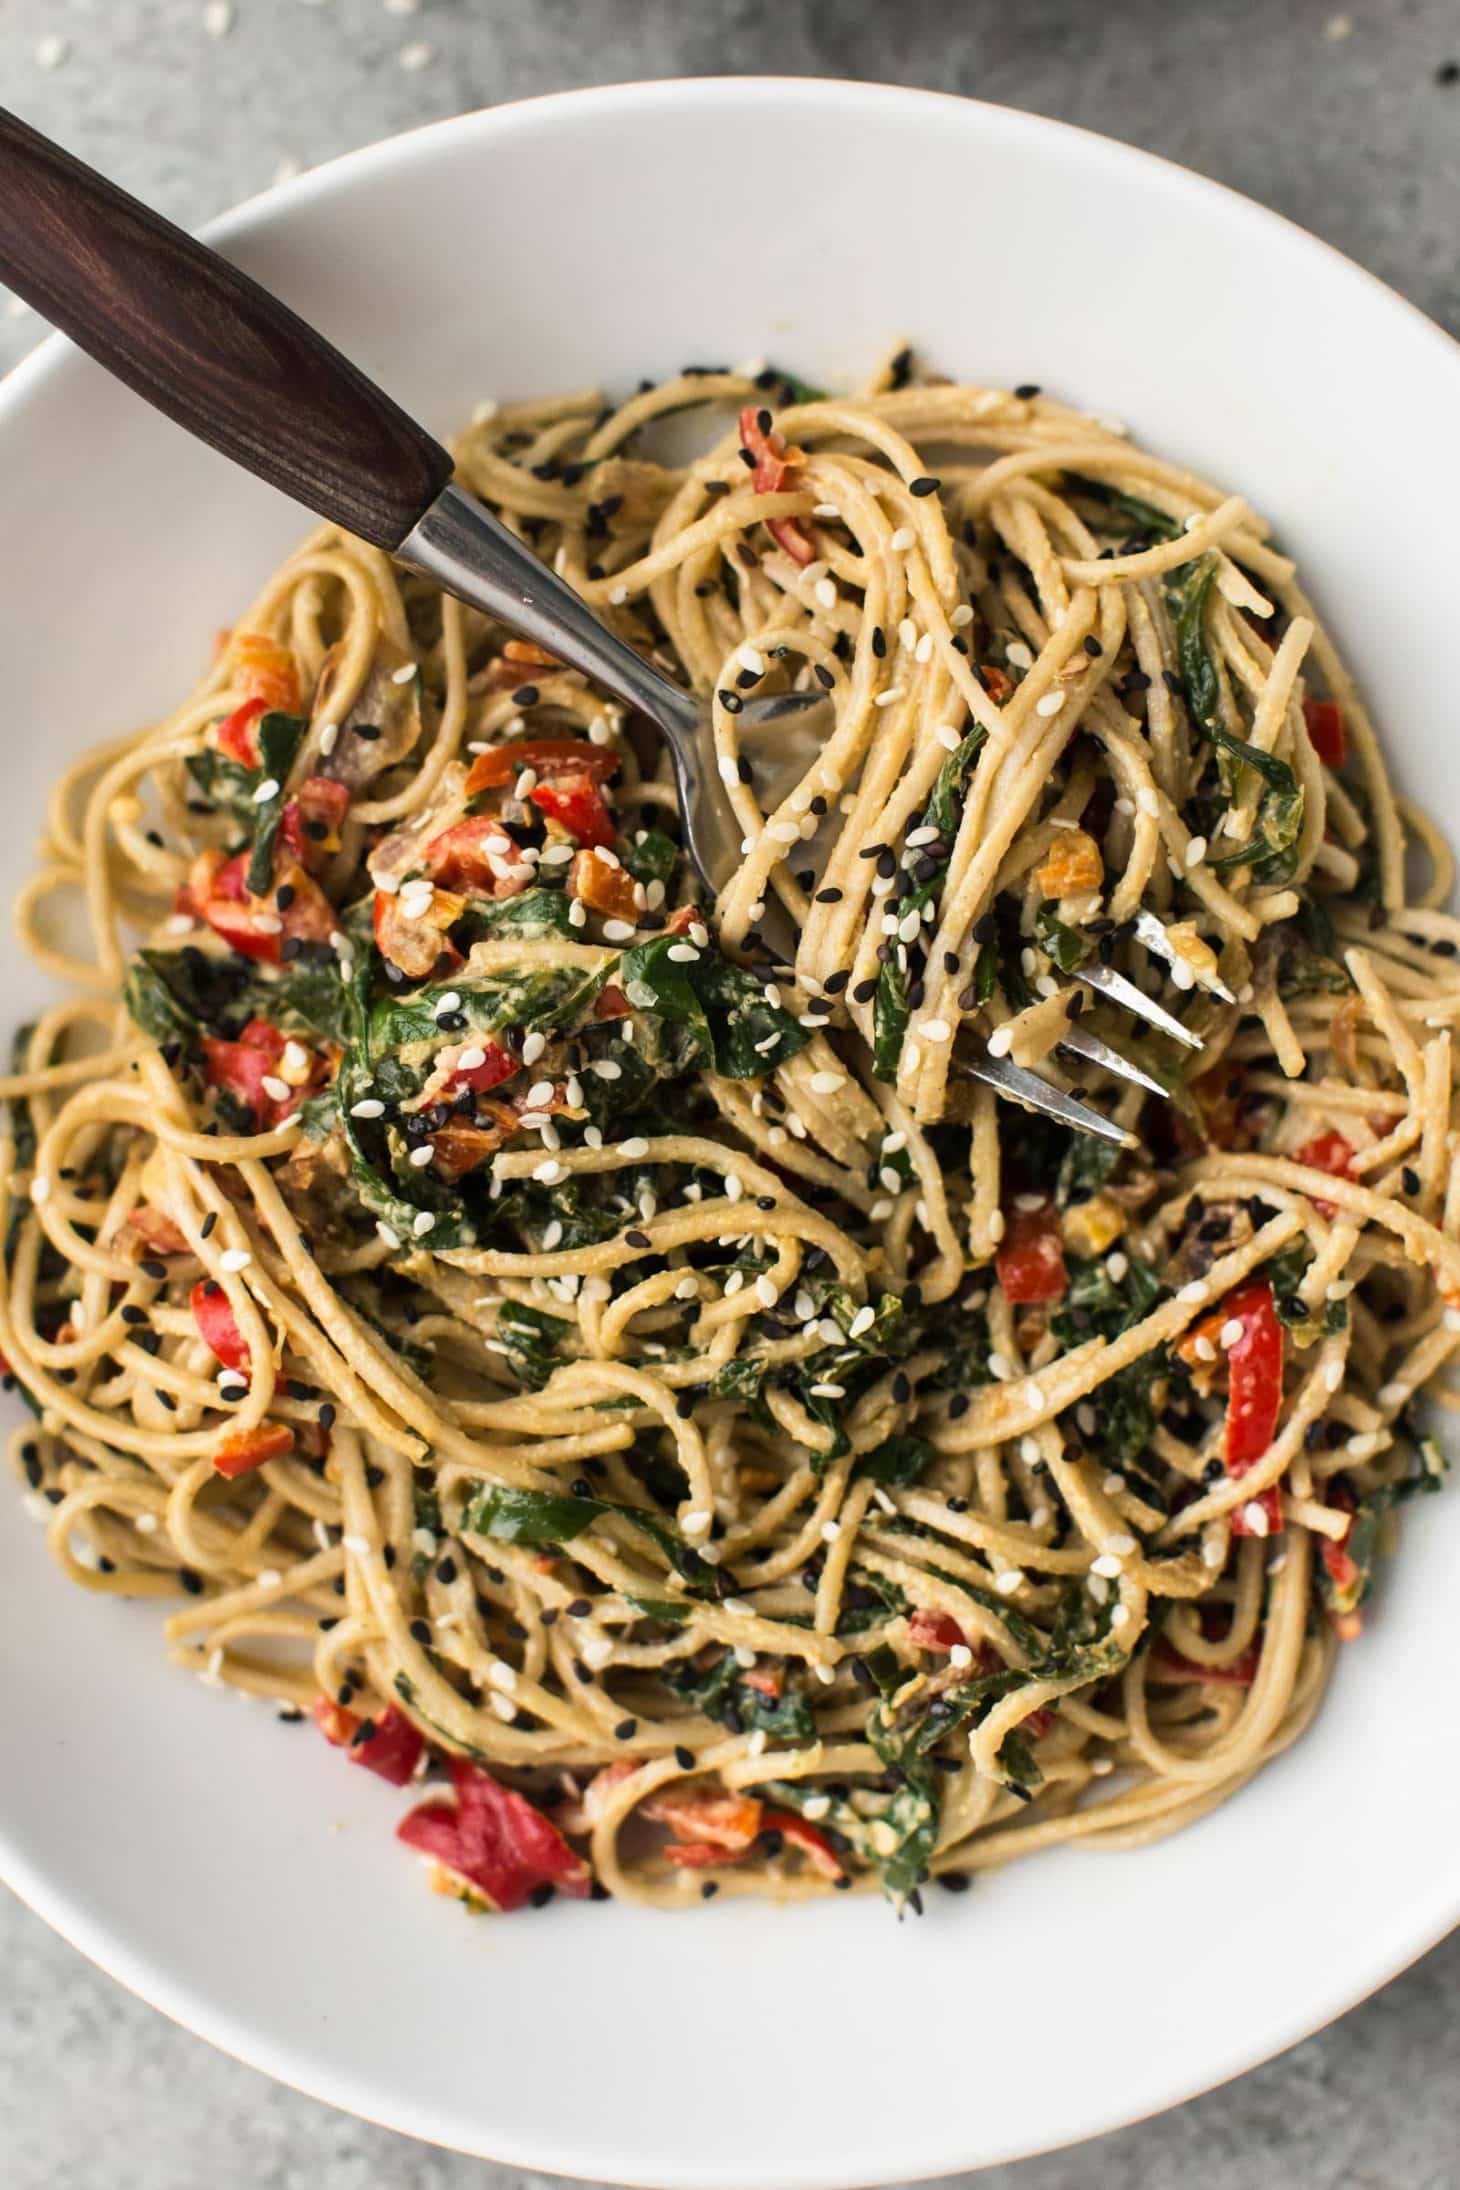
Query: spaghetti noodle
pixel 555 1345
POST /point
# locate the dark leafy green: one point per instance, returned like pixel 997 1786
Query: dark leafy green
pixel 280 737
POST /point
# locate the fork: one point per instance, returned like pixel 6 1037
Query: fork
pixel 222 357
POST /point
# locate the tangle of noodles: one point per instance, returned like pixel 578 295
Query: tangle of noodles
pixel 553 1343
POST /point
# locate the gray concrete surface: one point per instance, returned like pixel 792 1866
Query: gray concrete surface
pixel 1348 122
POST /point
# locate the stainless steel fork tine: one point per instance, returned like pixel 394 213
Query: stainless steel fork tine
pixel 1121 991
pixel 1024 1086
pixel 1152 932
pixel 1081 1043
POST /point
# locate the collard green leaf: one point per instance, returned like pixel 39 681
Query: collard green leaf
pixel 723 1008
pixel 650 856
pixel 532 1341
pixel 533 915
pixel 280 737
pixel 897 1462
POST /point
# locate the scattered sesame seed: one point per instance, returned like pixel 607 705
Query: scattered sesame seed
pixel 234 1258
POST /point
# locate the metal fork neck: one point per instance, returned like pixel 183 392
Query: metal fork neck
pixel 464 548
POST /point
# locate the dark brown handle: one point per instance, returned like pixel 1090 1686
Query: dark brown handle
pixel 208 346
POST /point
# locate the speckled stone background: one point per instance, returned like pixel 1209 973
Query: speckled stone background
pixel 1350 123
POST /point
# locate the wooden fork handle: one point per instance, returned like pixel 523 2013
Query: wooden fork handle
pixel 206 345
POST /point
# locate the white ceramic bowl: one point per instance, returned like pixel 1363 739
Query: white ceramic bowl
pixel 230 1870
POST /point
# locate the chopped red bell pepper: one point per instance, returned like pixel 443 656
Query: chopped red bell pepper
pixel 997 682
pixel 603 887
pixel 477 854
pixel 266 671
pixel 244 1450
pixel 334 1721
pixel 1254 1393
pixel 1030 1259
pixel 576 804
pixel 729 1821
pixel 391 1748
pixel 217 1326
pixel 1326 732
pixel 492 1843
pixel 611 1003
pixel 1329 1152
pixel 157 1232
pixel 501 765
pixel 767 1680
pixel 773 465
pixel 217 892
pixel 498 1064
pixel 935 1631
pixel 804 1835
pixel 235 733
pixel 242 1067
pixel 700 1855
pixel 309 827
pixel 683 919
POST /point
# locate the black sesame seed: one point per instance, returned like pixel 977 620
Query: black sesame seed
pixel 709 1889
pixel 684 1405
pixel 284 896
pixel 829 896
pixel 684 1758
pixel 191 1581
pixel 637 1239
pixel 626 1730
pixel 157 1271
pixel 1411 1180
pixel 579 1609
pixel 541 1895
pixel 924 485
pixel 879 641
pixel 730 701
pixel 954 1881
pixel 421 1631
pixel 1027 390
pixel 957 1405
pixel 864 992
pixel 327 1416
pixel 526 695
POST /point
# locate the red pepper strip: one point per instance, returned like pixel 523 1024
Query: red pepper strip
pixel 1168 1665
pixel 611 1003
pixel 500 765
pixel 730 1821
pixel 935 1631
pixel 498 1064
pixel 235 734
pixel 494 1842
pixel 1030 1259
pixel 241 1068
pixel 1325 731
pixel 575 803
pixel 687 917
pixel 803 1835
pixel 213 1314
pixel 157 1232
pixel 310 825
pixel 1255 1395
pixel 773 464
pixel 699 1855
pixel 477 854
pixel 392 1751
pixel 245 1450
pixel 1329 1152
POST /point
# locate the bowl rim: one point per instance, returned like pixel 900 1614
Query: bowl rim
pixel 1416 1925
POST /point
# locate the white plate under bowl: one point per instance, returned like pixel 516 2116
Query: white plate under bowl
pixel 232 1871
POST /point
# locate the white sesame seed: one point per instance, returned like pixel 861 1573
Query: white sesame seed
pixel 1033 1394
pixel 548 1172
pixel 1018 655
pixel 268 789
pixel 218 18
pixel 961 617
pixel 949 739
pixel 861 1322
pixel 40 1190
pixel 824 592
pixel 1050 704
pixel 1393 1395
pixel 765 1291
pixel 1196 851
pixel 1120 1616
pixel 390 1237
pixel 1333 1375
pixel 1147 800
pixel 827 510
pixel 416 56
pixel 1364 1446
pixel 421 1156
pixel 827 1083
pixel 234 1258
pixel 683 954
pixel 902 538
pixel 1203 1348
pixel 1254 1516
pixel 830 1531
pixel 1106 1566
pixel 1194 1293
pixel 635 1147
pixel 1230 1333
pixel 1000 1042
pixel 935 1030
pixel 277 1090
pixel 960 1656
pixel 367 1107
pixel 51 50
pixel 888 698
pixel 424 1223
pixel 1009 1581
pixel 532 1048
pixel 1116 1266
